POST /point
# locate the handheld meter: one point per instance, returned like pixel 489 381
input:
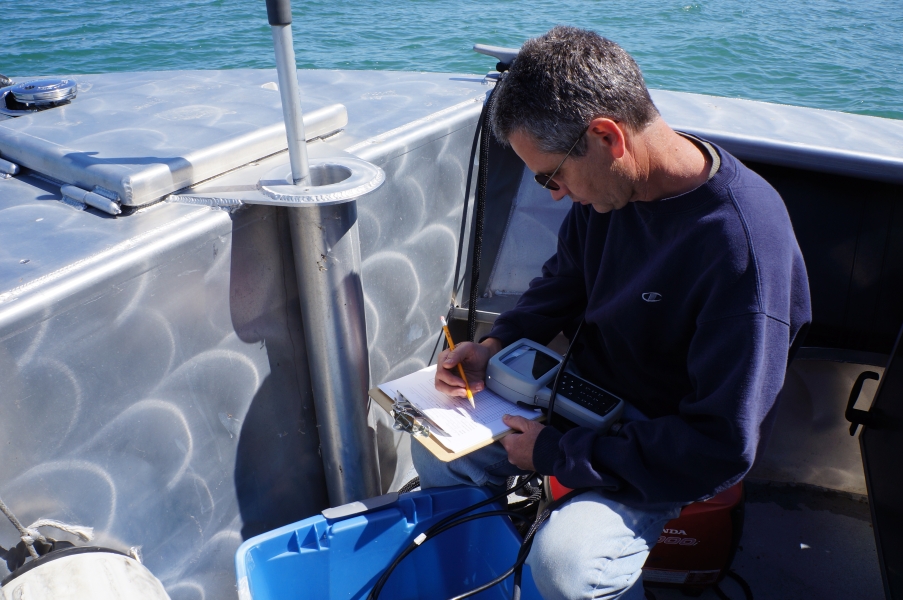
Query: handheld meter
pixel 524 371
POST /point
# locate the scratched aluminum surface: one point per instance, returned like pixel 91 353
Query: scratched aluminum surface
pixel 124 409
pixel 153 366
pixel 378 103
pixel 144 135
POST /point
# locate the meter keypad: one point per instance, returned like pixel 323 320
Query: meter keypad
pixel 586 394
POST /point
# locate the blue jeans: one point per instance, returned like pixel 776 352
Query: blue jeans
pixel 591 547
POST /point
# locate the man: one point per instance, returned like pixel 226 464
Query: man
pixel 683 264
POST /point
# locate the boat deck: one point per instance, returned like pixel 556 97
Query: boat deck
pixel 799 543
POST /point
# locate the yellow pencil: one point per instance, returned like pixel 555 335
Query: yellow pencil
pixel 451 345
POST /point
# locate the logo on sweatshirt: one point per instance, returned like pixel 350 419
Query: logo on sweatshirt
pixel 652 296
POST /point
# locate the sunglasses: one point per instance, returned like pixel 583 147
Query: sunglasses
pixel 546 180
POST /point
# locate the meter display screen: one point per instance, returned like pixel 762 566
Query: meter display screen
pixel 528 361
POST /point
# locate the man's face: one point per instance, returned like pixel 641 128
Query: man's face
pixel 595 178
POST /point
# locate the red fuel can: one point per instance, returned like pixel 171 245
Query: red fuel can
pixel 696 549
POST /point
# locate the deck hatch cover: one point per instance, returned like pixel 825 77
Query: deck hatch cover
pixel 142 136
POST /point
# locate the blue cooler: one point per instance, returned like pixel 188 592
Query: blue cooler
pixel 320 558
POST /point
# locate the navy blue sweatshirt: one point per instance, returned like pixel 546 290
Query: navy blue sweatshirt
pixel 692 306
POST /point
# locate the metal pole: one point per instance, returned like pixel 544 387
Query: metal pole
pixel 327 254
pixel 280 17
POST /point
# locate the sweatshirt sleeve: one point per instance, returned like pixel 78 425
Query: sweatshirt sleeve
pixel 710 444
pixel 557 298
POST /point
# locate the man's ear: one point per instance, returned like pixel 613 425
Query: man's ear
pixel 610 134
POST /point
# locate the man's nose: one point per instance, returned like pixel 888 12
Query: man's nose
pixel 559 193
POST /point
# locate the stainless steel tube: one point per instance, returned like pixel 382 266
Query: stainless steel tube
pixel 287 72
pixel 327 255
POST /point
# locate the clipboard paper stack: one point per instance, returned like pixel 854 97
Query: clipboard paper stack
pixel 447 426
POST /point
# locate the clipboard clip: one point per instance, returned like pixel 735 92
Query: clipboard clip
pixel 409 418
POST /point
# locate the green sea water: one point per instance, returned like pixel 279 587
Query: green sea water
pixel 830 54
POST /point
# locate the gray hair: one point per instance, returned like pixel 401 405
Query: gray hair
pixel 561 81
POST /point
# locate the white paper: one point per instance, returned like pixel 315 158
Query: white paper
pixel 464 425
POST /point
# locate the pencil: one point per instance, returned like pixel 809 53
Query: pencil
pixel 451 345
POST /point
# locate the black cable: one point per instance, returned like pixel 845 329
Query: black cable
pixel 720 593
pixel 482 176
pixel 516 588
pixel 747 591
pixel 374 593
pixel 436 346
pixel 522 554
pixel 532 496
pixel 410 486
pixel 524 549
pixel 557 381
pixel 483 503
pixel 473 155
pixel 431 533
pixel 540 519
pixel 521 558
pixel 466 518
pixel 441 337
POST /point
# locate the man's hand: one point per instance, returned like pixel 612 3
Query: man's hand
pixel 474 358
pixel 520 445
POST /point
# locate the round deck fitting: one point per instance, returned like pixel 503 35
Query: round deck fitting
pixel 42 92
pixel 332 181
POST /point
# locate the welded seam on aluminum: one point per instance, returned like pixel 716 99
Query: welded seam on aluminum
pixel 19 305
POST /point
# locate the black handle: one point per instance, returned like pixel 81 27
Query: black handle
pixel 855 416
pixel 279 12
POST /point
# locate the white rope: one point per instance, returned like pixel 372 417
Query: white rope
pixel 30 534
pixel 22 531
pixel 85 533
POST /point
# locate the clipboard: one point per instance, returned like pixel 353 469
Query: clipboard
pixel 430 443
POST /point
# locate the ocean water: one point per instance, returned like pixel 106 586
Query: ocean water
pixel 832 54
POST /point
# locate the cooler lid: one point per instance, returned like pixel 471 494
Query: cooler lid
pixel 142 136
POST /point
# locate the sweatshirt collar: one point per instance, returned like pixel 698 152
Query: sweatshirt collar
pixel 707 192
